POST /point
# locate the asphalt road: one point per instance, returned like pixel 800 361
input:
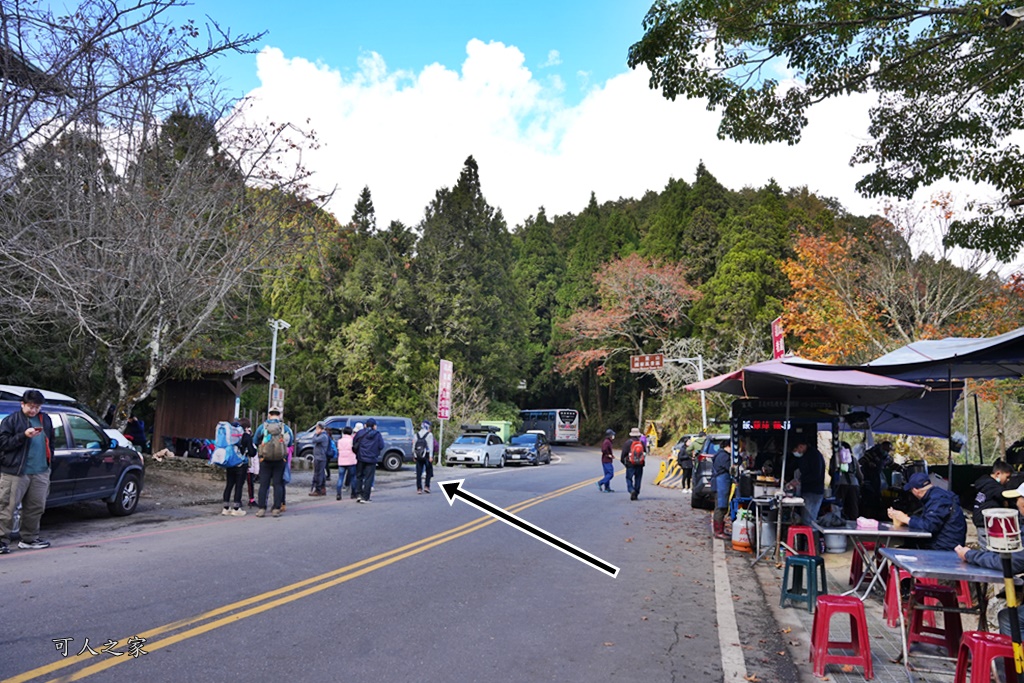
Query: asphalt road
pixel 407 588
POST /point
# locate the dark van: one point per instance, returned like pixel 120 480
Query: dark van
pixel 398 433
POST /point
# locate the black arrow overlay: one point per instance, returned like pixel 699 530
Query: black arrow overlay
pixel 453 489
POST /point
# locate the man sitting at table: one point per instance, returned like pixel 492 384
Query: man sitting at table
pixel 940 514
pixel 991 560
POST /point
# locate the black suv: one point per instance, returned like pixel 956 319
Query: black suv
pixel 87 463
pixel 703 494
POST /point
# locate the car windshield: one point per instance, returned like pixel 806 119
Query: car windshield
pixel 472 439
pixel 524 439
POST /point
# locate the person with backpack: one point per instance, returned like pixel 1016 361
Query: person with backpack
pixel 685 461
pixel 634 456
pixel 368 444
pixel 346 463
pixel 607 458
pixel 321 448
pixel 272 439
pixel 235 476
pixel 423 452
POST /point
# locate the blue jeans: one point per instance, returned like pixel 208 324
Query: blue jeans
pixel 634 475
pixel 319 474
pixel 812 504
pixel 420 467
pixel 347 477
pixel 609 472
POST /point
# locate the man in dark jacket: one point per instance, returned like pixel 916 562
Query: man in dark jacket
pixel 368 445
pixel 26 450
pixel 989 494
pixel 721 483
pixel 809 465
pixel 633 460
pixel 940 514
pixel 991 560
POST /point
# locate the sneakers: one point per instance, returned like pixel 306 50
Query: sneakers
pixel 426 489
pixel 37 544
pixel 609 489
pixel 275 513
pixel 238 512
pixel 338 497
pixel 314 493
pixel 261 512
pixel 4 548
pixel 362 500
pixel 419 491
pixel 282 507
pixel 225 511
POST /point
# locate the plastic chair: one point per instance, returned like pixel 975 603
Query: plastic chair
pixel 963 594
pixel 948 636
pixel 978 649
pixel 817 581
pixel 829 605
pixel 797 532
pixel 890 609
pixel 857 563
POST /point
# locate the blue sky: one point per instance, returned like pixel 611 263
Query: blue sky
pixel 400 93
pixel 590 39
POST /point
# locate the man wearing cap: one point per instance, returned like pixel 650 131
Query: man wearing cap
pixel 321 447
pixel 607 460
pixel 423 451
pixel 368 445
pixel 634 473
pixel 26 450
pixel 993 560
pixel 272 470
pixel 940 514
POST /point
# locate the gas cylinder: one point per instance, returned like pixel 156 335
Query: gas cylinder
pixel 742 530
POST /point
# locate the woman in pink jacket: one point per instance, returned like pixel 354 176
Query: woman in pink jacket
pixel 346 463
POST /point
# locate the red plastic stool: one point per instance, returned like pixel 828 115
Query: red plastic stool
pixel 859 642
pixel 857 563
pixel 890 611
pixel 963 594
pixel 798 531
pixel 949 635
pixel 978 649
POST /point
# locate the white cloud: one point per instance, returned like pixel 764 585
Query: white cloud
pixel 406 135
pixel 554 59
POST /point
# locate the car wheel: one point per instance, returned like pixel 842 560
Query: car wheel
pixel 487 461
pixel 392 462
pixel 127 497
pixel 307 454
pixel 501 463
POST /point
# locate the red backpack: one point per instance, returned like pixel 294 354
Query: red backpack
pixel 636 455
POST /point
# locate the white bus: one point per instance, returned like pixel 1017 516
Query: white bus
pixel 561 425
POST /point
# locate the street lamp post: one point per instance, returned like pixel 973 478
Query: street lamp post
pixel 697 363
pixel 275 324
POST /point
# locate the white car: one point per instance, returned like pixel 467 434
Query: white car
pixel 479 446
pixel 14 393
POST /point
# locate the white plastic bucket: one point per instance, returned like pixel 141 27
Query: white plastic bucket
pixel 1003 529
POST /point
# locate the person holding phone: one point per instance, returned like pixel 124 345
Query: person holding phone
pixel 26 450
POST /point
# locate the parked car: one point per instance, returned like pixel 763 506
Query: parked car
pixel 529 448
pixel 703 493
pixel 87 464
pixel 679 445
pixel 398 433
pixel 477 445
pixel 11 392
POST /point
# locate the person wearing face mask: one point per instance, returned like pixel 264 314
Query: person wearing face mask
pixel 846 477
pixel 809 478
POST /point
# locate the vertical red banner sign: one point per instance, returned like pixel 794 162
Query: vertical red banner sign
pixel 444 391
pixel 778 339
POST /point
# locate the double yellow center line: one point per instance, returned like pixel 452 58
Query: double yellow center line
pixel 184 629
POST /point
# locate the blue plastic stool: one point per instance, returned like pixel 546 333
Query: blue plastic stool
pixel 735 504
pixel 817 582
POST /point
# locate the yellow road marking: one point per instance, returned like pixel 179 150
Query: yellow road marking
pixel 263 602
